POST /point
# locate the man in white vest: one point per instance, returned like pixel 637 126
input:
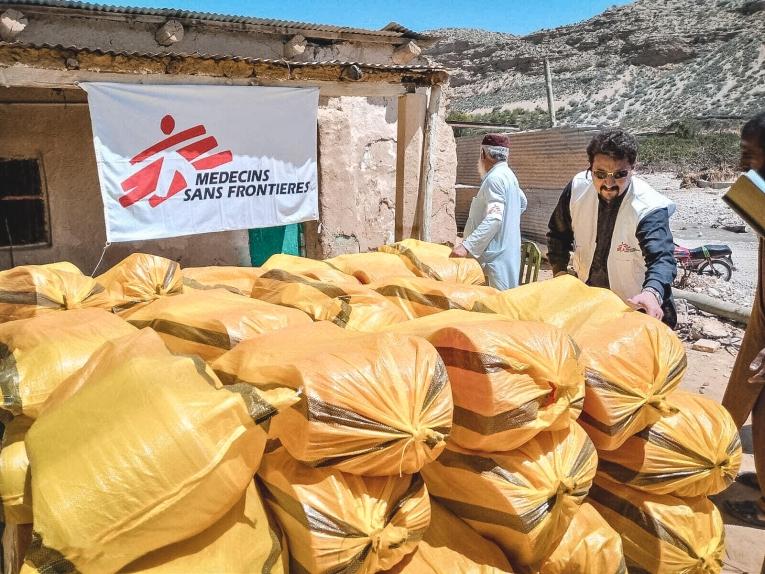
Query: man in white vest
pixel 618 229
pixel 493 229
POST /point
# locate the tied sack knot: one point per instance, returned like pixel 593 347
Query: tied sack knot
pixel 430 437
pixel 388 538
pixel 69 304
pixel 708 565
pixel 660 404
pixel 566 486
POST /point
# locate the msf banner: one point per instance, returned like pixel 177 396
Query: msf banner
pixel 180 160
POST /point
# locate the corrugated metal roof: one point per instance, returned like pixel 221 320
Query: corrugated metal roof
pixel 161 54
pixel 392 30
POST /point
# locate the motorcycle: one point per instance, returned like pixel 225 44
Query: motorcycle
pixel 707 261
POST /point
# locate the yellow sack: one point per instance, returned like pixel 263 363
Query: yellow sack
pixel 371 267
pixel 589 546
pixel 375 404
pixel 510 379
pixel 338 522
pixel 146 344
pixel 209 323
pixel 696 451
pixel 630 365
pixel 31 290
pixel 140 279
pixel 145 454
pixel 353 307
pixel 426 326
pixel 565 302
pixel 309 268
pixel 247 540
pixel 663 534
pixel 37 354
pixel 522 499
pixel 421 296
pixel 432 260
pixel 238 280
pixel 451 546
pixel 15 486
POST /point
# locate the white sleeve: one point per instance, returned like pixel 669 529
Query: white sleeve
pixel 477 242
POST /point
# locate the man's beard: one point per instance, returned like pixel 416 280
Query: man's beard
pixel 481 169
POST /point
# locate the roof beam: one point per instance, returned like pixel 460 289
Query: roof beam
pixel 56 67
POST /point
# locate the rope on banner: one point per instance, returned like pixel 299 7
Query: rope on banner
pixel 106 246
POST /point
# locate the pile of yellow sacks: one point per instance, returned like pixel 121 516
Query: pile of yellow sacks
pixel 661 451
pixel 396 415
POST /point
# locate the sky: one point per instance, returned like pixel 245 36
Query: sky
pixel 513 16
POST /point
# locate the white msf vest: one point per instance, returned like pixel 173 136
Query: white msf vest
pixel 626 266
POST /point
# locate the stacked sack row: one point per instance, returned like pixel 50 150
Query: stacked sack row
pixel 390 428
pixel 662 451
pixel 118 456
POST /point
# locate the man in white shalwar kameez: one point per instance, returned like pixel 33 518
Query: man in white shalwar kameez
pixel 493 229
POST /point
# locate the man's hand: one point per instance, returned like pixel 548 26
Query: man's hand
pixel 758 368
pixel 459 251
pixel 648 302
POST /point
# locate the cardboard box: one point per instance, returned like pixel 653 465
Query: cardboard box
pixel 747 198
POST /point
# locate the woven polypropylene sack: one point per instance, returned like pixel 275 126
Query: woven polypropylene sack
pixel 432 260
pixel 338 522
pixel 695 451
pixel 451 546
pixel 308 268
pixel 353 307
pixel 147 453
pixel 662 534
pixel 430 324
pixel 209 323
pixel 31 290
pixel 371 267
pixel 37 354
pixel 371 404
pixel 140 279
pixel 246 540
pixel 589 546
pixel 523 499
pixel 238 280
pixel 15 486
pixel 510 379
pixel 422 296
pixel 631 364
pixel 565 302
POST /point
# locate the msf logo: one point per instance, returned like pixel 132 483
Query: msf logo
pixel 145 181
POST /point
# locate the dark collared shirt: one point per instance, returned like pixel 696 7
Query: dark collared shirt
pixel 607 213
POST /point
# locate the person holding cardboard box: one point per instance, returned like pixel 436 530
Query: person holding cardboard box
pixel 746 389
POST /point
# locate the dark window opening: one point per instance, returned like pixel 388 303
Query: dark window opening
pixel 23 210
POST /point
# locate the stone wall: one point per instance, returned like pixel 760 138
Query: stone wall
pixel 357 162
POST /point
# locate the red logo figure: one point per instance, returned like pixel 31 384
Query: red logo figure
pixel 144 182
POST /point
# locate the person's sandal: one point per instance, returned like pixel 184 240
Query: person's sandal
pixel 746 511
pixel 748 479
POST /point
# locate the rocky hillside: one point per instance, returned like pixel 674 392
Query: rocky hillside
pixel 645 64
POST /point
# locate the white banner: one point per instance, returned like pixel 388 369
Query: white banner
pixel 180 160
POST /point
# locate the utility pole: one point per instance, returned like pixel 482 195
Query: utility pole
pixel 550 98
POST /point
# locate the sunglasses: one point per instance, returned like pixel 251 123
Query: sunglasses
pixel 621 174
